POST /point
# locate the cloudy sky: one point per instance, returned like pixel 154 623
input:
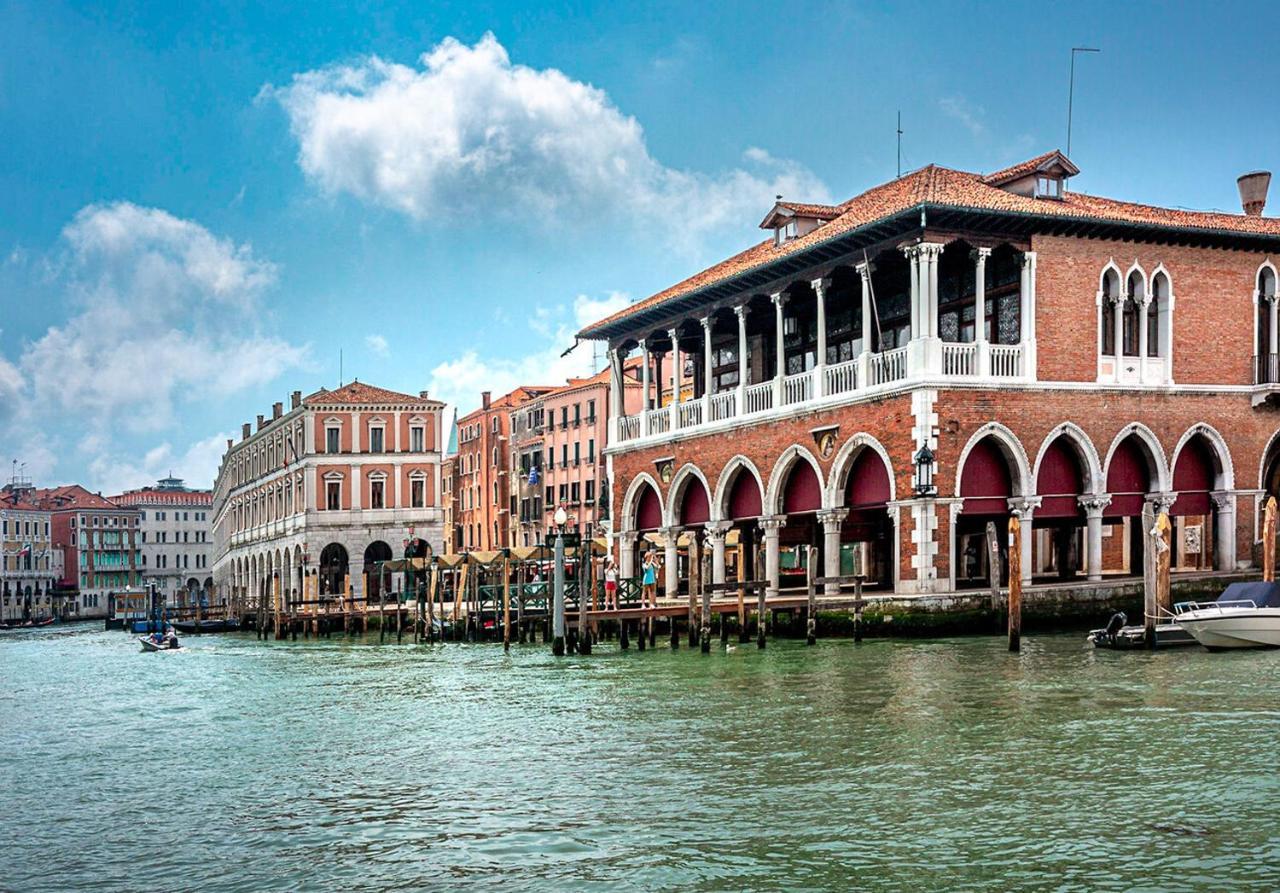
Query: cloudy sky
pixel 203 207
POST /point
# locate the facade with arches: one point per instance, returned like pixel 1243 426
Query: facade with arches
pixel 1065 358
pixel 326 490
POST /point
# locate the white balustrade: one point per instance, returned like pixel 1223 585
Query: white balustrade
pixel 628 427
pixel 797 388
pixel 759 397
pixel 890 365
pixel 724 405
pixel 1006 360
pixel 659 420
pixel 959 359
pixel 690 414
pixel 842 378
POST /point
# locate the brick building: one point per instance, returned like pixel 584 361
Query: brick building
pixel 30 566
pixel 100 541
pixel 482 497
pixel 878 380
pixel 342 479
pixel 176 539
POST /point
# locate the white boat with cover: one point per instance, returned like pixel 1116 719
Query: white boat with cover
pixel 1246 615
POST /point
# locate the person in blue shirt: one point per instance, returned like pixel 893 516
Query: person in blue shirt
pixel 649 579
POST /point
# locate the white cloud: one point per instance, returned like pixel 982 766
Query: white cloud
pixel 377 345
pixel 470 133
pixel 966 113
pixel 165 312
pixel 587 310
pixel 197 465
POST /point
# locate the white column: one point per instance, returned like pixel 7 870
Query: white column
pixel 644 387
pixel 1274 306
pixel 671 563
pixel 741 312
pixel 1117 335
pixel 626 554
pixel 1025 509
pixel 780 359
pixel 674 335
pixel 819 369
pixel 913 260
pixel 980 312
pixel 715 534
pixel 932 252
pixel 831 520
pixel 1225 530
pixel 617 396
pixel 772 527
pixel 706 369
pixel 1029 315
pixel 1093 507
pixel 1143 307
pixel 868 321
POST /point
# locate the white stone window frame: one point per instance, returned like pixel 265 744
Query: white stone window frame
pixel 418 424
pixel 330 424
pixel 333 477
pixel 377 477
pixel 377 423
pixel 1259 296
pixel 415 476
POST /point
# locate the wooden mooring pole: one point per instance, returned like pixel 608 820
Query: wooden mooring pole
pixel 811 603
pixel 1269 541
pixel 506 604
pixel 1150 599
pixel 1015 583
pixel 704 579
pixel 762 598
pixel 993 569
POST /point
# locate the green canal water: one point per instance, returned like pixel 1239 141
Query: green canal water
pixel 891 765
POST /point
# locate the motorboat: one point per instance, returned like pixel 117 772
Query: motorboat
pixel 226 625
pixel 158 642
pixel 1121 635
pixel 1246 615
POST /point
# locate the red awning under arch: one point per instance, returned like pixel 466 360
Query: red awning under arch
pixel 1059 482
pixel 1193 478
pixel 744 496
pixel 1128 479
pixel 985 481
pixel 648 510
pixel 802 492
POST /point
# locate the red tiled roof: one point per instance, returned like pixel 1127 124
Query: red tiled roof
pixel 1023 168
pixel 942 186
pixel 517 397
pixel 70 497
pixel 357 393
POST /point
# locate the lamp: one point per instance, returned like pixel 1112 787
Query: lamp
pixel 561 517
pixel 924 471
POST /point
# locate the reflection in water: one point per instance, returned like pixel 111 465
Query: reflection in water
pixel 238 765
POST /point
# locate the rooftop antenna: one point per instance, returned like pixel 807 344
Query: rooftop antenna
pixel 339 367
pixel 1071 88
pixel 899 142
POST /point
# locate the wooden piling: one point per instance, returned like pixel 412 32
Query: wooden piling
pixel 811 605
pixel 695 577
pixel 704 579
pixel 1164 558
pixel 1150 560
pixel 1269 540
pixel 584 594
pixel 993 569
pixel 382 612
pixel 1015 583
pixel 762 574
pixel 857 608
pixel 506 604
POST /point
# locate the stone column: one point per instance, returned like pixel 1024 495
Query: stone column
pixel 617 394
pixel 644 387
pixel 932 252
pixel 706 369
pixel 820 365
pixel 1024 508
pixel 715 536
pixel 671 562
pixel 626 554
pixel 1274 310
pixel 1143 307
pixel 1093 507
pixel 780 358
pixel 674 334
pixel 980 312
pixel 741 312
pixel 913 254
pixel 1117 336
pixel 771 527
pixel 831 520
pixel 868 321
pixel 1224 530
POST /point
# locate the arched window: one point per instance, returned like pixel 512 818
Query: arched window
pixel 1266 295
pixel 1110 292
pixel 1135 292
pixel 1158 331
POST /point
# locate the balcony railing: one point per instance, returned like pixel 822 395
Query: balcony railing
pixel 1266 369
pixel 926 360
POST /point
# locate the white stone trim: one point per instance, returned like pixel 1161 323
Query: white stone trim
pixel 1084 450
pixel 1227 476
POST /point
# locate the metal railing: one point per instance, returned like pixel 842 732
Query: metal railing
pixel 1266 368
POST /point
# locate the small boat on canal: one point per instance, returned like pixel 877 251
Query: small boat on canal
pixel 1120 635
pixel 1246 615
pixel 157 642
pixel 221 625
pixel 29 624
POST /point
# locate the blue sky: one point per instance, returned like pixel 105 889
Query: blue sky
pixel 204 203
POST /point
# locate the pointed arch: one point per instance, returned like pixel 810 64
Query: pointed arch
pixel 782 470
pixel 1269 268
pixel 1085 452
pixel 1109 267
pixel 1269 457
pixel 1158 464
pixel 739 464
pixel 1225 472
pixel 684 478
pixel 1014 454
pixel 844 461
pixel 631 501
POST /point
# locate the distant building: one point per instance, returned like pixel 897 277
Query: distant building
pixel 100 542
pixel 340 481
pixel 176 539
pixel 449 486
pixel 28 569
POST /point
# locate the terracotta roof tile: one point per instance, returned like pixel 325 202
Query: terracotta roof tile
pixel 357 393
pixel 935 185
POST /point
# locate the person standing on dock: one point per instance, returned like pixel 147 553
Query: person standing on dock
pixel 649 593
pixel 610 585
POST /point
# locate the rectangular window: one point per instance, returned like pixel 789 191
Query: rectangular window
pixel 591 411
pixel 331 442
pixel 577 414
pixel 574 493
pixel 417 439
pixel 564 492
pixel 375 440
pixel 591 451
pixel 418 493
pixel 564 455
pixel 333 495
pixel 590 488
pixel 564 416
pixel 551 495
pixel 577 453
pixel 376 496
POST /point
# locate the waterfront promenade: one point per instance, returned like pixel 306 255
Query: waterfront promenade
pixel 893 765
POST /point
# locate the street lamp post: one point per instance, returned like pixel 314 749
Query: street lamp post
pixel 557 628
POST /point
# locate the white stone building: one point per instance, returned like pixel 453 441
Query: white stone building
pixel 176 540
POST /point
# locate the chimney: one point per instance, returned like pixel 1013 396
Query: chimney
pixel 484 399
pixel 277 410
pixel 422 395
pixel 229 442
pixel 1253 191
pixel 244 431
pixel 295 399
pixel 261 421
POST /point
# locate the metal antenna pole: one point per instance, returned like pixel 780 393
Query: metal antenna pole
pixel 1071 88
pixel 899 142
